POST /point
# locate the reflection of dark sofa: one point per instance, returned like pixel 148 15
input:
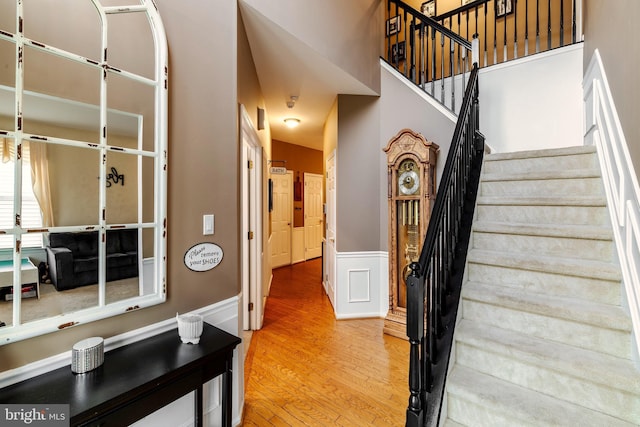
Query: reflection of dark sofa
pixel 73 257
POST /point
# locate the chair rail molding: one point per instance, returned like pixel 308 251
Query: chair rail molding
pixel 603 129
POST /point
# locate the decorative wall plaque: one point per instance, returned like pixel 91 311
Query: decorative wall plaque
pixel 203 256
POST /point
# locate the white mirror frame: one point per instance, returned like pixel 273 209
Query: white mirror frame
pixel 17 331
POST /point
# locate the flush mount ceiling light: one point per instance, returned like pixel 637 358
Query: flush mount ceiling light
pixel 291 122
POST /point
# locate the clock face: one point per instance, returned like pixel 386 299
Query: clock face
pixel 408 178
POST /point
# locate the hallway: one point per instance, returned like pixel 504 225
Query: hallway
pixel 306 368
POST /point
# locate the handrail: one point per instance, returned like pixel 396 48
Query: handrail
pixel 431 22
pixel 461 9
pixel 433 287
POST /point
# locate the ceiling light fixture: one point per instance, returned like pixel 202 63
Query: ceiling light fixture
pixel 291 122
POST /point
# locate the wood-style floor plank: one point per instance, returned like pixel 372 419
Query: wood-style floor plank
pixel 305 368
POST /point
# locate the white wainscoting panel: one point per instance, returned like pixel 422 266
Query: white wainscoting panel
pixel 603 129
pixel 362 288
pixel 359 285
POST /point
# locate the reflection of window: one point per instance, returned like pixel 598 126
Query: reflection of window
pixel 31 216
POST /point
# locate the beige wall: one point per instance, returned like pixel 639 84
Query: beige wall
pixel 202 170
pixel 358 175
pixel 611 27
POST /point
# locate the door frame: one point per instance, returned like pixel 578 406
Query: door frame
pixel 329 259
pixel 251 222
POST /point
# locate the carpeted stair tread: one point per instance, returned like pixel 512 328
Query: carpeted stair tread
pixel 548 152
pixel 554 356
pixel 581 311
pixel 548 230
pixel 597 201
pixel 566 266
pixel 541 175
pixel 523 406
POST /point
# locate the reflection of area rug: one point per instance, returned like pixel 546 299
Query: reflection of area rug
pixel 53 303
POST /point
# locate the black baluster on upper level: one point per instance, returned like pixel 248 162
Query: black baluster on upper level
pixel 549 26
pixel 561 23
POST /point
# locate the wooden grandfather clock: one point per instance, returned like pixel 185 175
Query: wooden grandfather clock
pixel 411 187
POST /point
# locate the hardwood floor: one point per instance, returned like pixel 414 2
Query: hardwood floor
pixel 306 368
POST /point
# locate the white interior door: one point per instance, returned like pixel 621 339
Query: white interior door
pixel 251 207
pixel 282 219
pixel 313 216
pixel 330 245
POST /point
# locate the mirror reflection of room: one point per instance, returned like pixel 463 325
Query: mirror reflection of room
pixel 79 164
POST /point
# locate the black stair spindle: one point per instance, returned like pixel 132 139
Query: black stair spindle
pixel 537 26
pixel 549 25
pixel 561 23
pixel 573 24
pixel 515 29
pixel 526 28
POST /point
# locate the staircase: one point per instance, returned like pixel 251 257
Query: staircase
pixel 542 338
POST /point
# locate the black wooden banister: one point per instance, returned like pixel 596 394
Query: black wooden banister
pixel 447 175
pixel 433 287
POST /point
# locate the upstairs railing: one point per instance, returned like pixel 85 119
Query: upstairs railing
pixel 430 55
pixel 434 52
pixel 509 29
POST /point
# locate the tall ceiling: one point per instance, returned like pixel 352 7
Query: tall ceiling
pixel 288 67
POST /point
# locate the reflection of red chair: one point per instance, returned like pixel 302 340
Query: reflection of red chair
pixel 29 279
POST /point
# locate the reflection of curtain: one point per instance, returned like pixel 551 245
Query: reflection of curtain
pixel 5 150
pixel 40 181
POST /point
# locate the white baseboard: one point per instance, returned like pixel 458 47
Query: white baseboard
pixel 224 315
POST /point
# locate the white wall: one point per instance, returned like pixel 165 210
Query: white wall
pixel 533 102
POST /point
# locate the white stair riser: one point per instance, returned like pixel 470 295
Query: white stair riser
pixel 565 387
pixel 609 341
pixel 539 282
pixel 471 414
pixel 576 215
pixel 550 246
pixel 536 164
pixel 543 188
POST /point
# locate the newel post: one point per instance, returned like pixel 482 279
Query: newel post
pixel 415 332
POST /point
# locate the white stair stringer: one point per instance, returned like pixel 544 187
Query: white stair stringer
pixel 542 337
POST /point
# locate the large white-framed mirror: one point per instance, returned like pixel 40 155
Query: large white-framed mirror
pixel 83 162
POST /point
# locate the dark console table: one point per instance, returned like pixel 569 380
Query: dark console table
pixel 136 380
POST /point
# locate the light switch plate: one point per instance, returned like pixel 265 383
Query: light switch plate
pixel 207 224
